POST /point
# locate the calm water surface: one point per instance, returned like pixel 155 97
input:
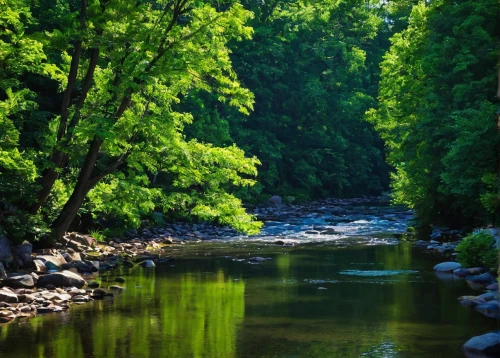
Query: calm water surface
pixel 314 300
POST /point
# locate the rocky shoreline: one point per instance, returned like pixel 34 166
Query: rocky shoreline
pixel 487 303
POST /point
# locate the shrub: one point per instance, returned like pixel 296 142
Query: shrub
pixel 478 250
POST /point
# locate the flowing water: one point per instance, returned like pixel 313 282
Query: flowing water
pixel 357 293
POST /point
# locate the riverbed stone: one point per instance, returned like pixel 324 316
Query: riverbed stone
pixel 447 266
pixel 16 280
pixel 492 287
pixel 483 279
pixel 120 279
pixel 276 200
pixel 7 296
pixel 473 302
pixel 80 298
pixel 461 272
pixel 476 270
pixel 488 344
pixel 490 309
pixel 488 296
pixel 62 279
pixel 147 264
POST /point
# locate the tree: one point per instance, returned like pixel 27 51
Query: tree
pixel 436 108
pixel 120 80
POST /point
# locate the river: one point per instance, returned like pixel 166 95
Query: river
pixel 349 288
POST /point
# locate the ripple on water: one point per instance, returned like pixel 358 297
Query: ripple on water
pixel 315 282
pixel 376 273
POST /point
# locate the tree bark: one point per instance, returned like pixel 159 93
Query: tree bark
pixel 83 186
pixel 58 156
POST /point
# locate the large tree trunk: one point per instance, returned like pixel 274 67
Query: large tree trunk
pixel 83 186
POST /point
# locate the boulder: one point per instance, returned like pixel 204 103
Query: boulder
pixel 483 279
pixel 8 296
pixel 461 272
pixel 62 279
pixel 490 309
pixel 24 252
pixel 488 296
pixel 486 344
pixel 492 287
pixel 19 281
pixel 447 266
pixel 5 249
pixel 276 200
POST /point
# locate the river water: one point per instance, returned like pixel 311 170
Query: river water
pixel 350 289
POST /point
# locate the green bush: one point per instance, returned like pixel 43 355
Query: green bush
pixel 478 250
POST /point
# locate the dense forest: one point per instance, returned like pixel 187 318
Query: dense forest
pixel 113 111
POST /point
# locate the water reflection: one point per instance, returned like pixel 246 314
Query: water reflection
pixel 187 315
pixel 214 307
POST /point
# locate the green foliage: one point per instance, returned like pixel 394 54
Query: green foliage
pixel 130 73
pixel 478 250
pixel 437 110
pixel 313 75
pixel 98 235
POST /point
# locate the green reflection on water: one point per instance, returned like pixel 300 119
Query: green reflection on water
pixel 187 315
pixel 213 307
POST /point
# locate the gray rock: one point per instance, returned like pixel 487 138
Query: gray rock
pixel 62 279
pixel 276 200
pixel 488 343
pixel 483 279
pixel 473 302
pixel 493 287
pixel 147 264
pixel 5 250
pixel 488 296
pixel 80 298
pixel 461 272
pixel 447 266
pixel 24 251
pixel 490 309
pixel 19 281
pixel 257 259
pixel 8 296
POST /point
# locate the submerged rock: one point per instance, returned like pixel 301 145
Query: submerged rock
pixel 447 266
pixel 488 344
pixel 147 264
